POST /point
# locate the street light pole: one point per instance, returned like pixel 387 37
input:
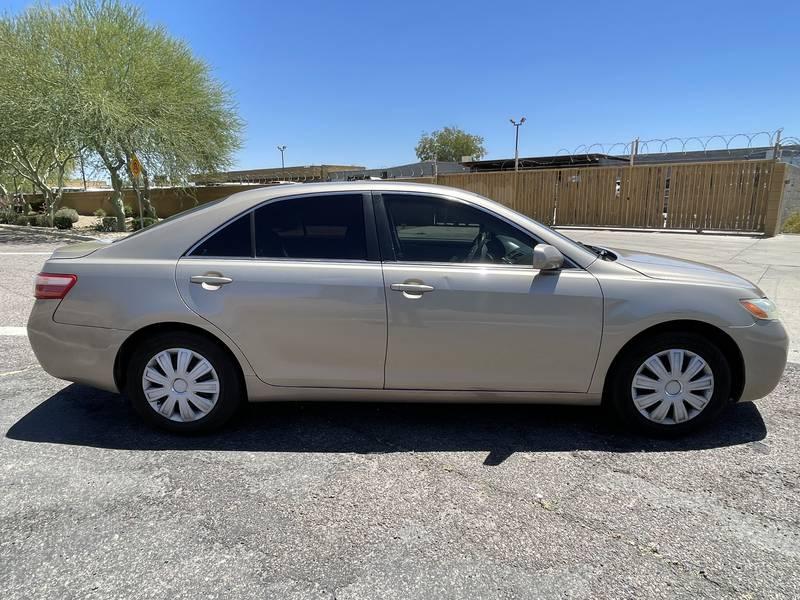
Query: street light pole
pixel 516 141
pixel 283 166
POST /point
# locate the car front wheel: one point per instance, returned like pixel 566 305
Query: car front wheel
pixel 672 383
pixel 183 382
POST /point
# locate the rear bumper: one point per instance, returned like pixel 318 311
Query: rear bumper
pixel 76 353
pixel 765 347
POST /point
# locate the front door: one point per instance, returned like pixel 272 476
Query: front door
pixel 467 311
pixel 296 286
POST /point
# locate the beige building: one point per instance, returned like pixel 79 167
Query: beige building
pixel 304 173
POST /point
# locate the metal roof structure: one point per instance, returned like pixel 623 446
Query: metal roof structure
pixel 545 162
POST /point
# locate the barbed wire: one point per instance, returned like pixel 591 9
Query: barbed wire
pixel 761 144
pixel 702 143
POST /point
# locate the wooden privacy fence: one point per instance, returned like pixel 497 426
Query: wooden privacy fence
pixel 742 195
pixel 719 196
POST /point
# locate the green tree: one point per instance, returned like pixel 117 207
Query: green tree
pixel 450 144
pixel 38 141
pixel 148 95
pixel 11 186
pixel 122 87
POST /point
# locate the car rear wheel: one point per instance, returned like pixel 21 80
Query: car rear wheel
pixel 183 382
pixel 671 384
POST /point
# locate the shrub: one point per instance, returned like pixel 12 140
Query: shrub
pixel 128 211
pixel 8 215
pixel 136 223
pixel 71 213
pixel 792 224
pixel 42 221
pixel 106 224
pixel 25 220
pixel 62 221
pixel 99 213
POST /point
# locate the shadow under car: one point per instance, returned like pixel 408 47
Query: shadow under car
pixel 79 415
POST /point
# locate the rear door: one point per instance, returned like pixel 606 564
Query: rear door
pixel 297 284
pixel 467 310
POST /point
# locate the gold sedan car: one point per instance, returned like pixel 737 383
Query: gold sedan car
pixel 386 291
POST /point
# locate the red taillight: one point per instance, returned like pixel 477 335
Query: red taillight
pixel 53 286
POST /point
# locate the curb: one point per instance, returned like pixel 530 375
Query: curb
pixel 46 231
pixel 745 234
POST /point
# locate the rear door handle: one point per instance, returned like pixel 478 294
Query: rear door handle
pixel 412 288
pixel 210 279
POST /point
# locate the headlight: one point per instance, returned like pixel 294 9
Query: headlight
pixel 760 308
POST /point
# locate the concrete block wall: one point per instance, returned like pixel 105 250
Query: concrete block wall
pixel 791 192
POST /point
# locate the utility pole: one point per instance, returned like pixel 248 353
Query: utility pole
pixel 776 154
pixel 634 150
pixel 283 165
pixel 629 183
pixel 516 141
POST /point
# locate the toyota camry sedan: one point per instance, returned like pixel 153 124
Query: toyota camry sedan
pixel 405 292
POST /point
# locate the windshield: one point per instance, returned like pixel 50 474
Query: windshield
pixel 570 241
pixel 174 217
pixel 603 253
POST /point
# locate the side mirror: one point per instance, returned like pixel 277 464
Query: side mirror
pixel 547 258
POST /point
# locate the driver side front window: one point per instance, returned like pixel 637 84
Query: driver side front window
pixel 431 229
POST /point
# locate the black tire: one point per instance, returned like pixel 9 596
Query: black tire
pixel 230 390
pixel 621 397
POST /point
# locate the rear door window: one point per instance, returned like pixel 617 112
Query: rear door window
pixel 328 226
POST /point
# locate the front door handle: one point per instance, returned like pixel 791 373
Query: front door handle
pixel 412 288
pixel 210 280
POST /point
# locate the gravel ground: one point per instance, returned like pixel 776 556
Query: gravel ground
pixel 382 500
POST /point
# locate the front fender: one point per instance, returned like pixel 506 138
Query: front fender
pixel 634 303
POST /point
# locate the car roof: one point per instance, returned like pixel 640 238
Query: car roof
pixel 172 238
pixel 249 198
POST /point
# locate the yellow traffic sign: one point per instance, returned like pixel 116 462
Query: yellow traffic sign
pixel 136 166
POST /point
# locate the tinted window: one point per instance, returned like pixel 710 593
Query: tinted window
pixel 330 226
pixel 429 229
pixel 233 240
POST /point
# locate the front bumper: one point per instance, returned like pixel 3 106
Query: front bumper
pixel 765 347
pixel 76 353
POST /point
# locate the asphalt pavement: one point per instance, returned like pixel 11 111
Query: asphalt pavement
pixel 374 501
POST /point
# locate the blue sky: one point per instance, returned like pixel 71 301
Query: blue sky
pixel 357 82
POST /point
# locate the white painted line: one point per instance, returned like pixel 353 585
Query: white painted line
pixel 7 373
pixel 13 331
pixel 26 253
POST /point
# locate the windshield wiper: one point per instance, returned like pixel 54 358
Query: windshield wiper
pixel 601 252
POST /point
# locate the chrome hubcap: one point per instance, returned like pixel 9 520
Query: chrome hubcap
pixel 672 386
pixel 180 384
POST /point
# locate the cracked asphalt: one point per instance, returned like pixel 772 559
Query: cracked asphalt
pixel 386 500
